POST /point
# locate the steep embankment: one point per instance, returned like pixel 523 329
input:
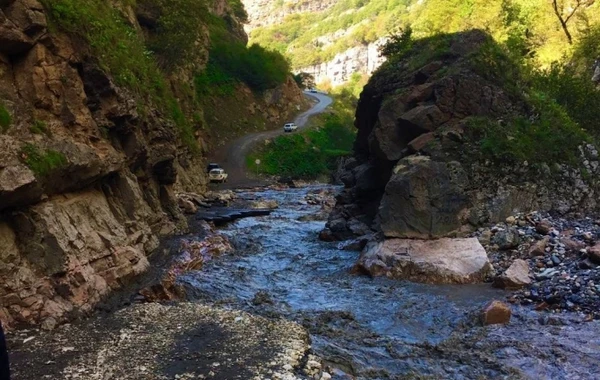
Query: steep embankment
pixel 100 124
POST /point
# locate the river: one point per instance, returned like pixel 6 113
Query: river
pixel 375 328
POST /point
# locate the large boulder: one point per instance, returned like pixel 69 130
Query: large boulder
pixel 423 199
pixel 442 261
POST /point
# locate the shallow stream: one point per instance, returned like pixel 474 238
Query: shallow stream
pixel 375 328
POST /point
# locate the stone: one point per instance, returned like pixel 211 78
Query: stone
pixel 543 227
pixel 187 206
pixel 594 253
pixel 507 239
pixel 423 199
pixel 442 261
pixel 539 248
pixel 511 220
pixel 572 245
pixel 486 237
pixel 264 203
pixel 515 277
pixel 326 235
pixel 496 312
pixel 420 142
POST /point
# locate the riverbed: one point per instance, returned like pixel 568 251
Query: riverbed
pixel 282 282
pixel 375 328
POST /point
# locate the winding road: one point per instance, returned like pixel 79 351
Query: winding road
pixel 232 157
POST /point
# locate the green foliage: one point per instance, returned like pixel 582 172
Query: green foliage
pixel 575 93
pixel 398 44
pixel 309 154
pixel 42 163
pixel 179 28
pixel 214 81
pixel 122 51
pixel 256 66
pixel 39 127
pixel 5 118
pixel 238 10
pixel 550 137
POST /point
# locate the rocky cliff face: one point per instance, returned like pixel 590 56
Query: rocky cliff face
pixel 362 59
pixel 87 183
pixel 267 12
pixel 418 173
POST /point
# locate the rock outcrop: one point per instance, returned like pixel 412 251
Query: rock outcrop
pixel 87 180
pixel 360 59
pixel 417 172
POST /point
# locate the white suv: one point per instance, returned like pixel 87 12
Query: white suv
pixel 290 127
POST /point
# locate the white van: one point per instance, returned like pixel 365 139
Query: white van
pixel 290 127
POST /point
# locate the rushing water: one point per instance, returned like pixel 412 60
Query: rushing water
pixel 380 328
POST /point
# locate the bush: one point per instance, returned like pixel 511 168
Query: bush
pixel 259 68
pixel 42 163
pixel 5 118
pixel 214 81
pixel 307 155
pixel 179 28
pixel 575 93
pixel 550 137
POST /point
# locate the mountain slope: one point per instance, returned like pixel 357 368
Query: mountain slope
pixel 334 40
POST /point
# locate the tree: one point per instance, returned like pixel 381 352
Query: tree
pixel 304 80
pixel 566 9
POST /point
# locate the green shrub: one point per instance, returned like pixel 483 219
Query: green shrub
pixel 238 10
pixel 42 163
pixel 550 137
pixel 179 27
pixel 575 93
pixel 309 154
pixel 5 118
pixel 214 81
pixel 259 68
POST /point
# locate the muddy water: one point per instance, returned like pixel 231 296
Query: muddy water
pixel 379 328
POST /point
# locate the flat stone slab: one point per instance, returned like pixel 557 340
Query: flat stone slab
pixel 222 215
pixel 441 261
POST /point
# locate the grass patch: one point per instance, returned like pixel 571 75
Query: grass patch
pixel 39 128
pixel 42 163
pixel 306 155
pixel 5 118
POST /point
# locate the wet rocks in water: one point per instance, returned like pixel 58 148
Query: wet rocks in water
pixel 442 261
pixel 507 239
pixel 264 204
pixel 496 312
pixel 515 277
pixel 326 235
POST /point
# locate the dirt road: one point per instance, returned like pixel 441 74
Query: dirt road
pixel 232 157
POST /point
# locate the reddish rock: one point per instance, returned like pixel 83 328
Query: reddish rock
pixel 515 277
pixel 495 313
pixel 326 235
pixel 543 227
pixel 421 141
pixel 539 248
pixel 594 253
pixel 572 245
